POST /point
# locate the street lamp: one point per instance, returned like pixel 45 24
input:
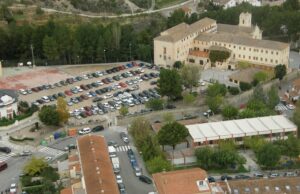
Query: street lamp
pixel 104 56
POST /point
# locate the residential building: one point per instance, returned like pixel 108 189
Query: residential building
pixel 8 103
pixel 232 3
pixel 96 172
pixel 188 181
pixel 269 127
pixel 193 44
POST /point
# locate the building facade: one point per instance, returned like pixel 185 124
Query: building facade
pixel 193 43
pixel 8 104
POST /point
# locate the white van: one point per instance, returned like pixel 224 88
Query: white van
pixel 112 151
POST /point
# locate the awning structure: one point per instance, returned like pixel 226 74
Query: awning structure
pixel 240 128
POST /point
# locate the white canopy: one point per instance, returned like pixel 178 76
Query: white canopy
pixel 240 128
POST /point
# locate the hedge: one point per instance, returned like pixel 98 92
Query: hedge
pixel 234 90
pixel 5 122
pixel 20 140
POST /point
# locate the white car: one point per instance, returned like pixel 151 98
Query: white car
pixel 290 106
pixel 48 158
pixel 84 131
pixel 22 91
pixel 119 179
pixel 108 96
pixel 13 188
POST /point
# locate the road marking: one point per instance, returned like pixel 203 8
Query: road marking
pixel 123 148
pixel 50 151
pixel 5 157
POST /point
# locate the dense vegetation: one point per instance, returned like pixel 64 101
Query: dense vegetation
pixel 118 6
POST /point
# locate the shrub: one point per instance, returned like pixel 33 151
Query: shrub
pixel 215 55
pixel 155 104
pixel 234 90
pixel 245 86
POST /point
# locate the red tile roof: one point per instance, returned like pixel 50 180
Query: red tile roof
pixel 66 191
pixel 199 54
pixel 96 166
pixel 180 181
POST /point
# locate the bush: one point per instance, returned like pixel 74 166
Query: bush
pixel 234 90
pixel 158 164
pixel 155 104
pixel 215 55
pixel 245 86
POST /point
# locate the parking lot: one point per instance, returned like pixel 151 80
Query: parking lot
pixel 132 184
pixel 99 92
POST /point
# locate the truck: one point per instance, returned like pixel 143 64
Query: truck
pixel 112 151
pixel 116 164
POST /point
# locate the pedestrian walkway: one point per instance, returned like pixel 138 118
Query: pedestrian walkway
pixel 5 157
pixel 18 148
pixel 281 107
pixel 123 148
pixel 50 151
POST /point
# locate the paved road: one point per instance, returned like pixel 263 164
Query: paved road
pixel 173 7
pixel 11 174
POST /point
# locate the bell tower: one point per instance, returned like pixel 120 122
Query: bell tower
pixel 245 19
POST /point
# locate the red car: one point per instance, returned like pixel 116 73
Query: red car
pixel 84 97
pixel 68 93
pixel 122 84
pixel 89 113
pixel 105 81
pixel 36 89
pixel 87 108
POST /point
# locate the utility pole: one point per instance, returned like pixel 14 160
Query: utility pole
pixel 32 55
pixel 104 56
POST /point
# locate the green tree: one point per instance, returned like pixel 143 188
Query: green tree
pixel 245 86
pixel 49 116
pixel 155 104
pixel 234 90
pixel 62 110
pixel 227 144
pixel 296 117
pixel 172 134
pixel 260 76
pixel 35 166
pixel 229 112
pixel 216 89
pixel 255 143
pixel 214 103
pixel 259 94
pixel 123 111
pixel 190 75
pixel 204 157
pixel 189 98
pixel 169 83
pixel 178 65
pixel 158 164
pixel 177 17
pixel 273 98
pixel 292 146
pixel 150 149
pixel 139 129
pixel 280 71
pixel 50 48
pixel 215 55
pixel 268 156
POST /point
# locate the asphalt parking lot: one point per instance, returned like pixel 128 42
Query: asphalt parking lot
pixel 132 184
pixel 132 82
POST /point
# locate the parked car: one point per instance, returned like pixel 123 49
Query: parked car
pixel 137 171
pixel 273 175
pixel 258 175
pixel 119 179
pixel 121 187
pixel 211 179
pixel 241 176
pixel 6 150
pixel 13 188
pixel 124 137
pixel 145 179
pixel 85 131
pixel 98 128
pixel 226 177
pixel 26 153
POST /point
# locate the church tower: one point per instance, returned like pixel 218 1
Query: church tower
pixel 245 19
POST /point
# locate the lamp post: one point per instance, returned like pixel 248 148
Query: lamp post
pixel 104 56
pixel 32 55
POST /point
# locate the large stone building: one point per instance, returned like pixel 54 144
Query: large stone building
pixel 193 43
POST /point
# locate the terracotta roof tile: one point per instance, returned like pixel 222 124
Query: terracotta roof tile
pixel 66 191
pixel 199 54
pixel 181 182
pixel 96 166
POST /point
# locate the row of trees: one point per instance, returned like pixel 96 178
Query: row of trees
pixel 148 143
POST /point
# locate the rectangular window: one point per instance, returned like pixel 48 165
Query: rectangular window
pixel 191 60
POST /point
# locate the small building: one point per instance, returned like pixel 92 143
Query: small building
pixel 269 127
pixel 188 181
pixel 8 103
